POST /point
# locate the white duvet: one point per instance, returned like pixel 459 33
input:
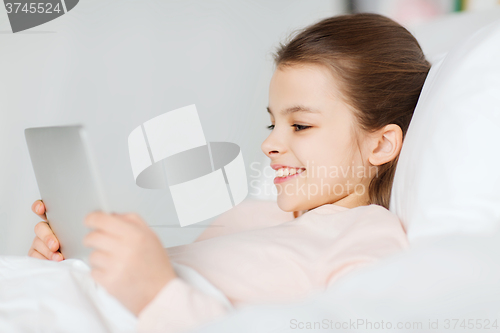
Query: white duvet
pixel 452 280
pixel 46 296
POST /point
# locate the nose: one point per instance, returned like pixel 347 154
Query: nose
pixel 272 145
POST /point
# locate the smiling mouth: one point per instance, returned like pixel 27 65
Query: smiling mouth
pixel 280 179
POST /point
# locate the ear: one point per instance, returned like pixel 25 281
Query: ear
pixel 385 144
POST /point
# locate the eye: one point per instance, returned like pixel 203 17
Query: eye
pixel 300 127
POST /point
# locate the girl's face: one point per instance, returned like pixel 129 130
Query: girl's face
pixel 312 128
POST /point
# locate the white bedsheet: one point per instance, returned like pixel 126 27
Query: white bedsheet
pixel 46 296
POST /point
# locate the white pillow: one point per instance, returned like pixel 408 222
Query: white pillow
pixel 448 175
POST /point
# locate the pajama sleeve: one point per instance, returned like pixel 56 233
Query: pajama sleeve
pixel 249 214
pixel 179 307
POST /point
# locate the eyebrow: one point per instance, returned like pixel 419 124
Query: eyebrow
pixel 296 108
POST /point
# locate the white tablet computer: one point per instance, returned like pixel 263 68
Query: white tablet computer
pixel 68 183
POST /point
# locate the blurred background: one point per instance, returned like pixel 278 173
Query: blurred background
pixel 113 64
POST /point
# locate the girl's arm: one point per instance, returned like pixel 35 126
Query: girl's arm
pixel 249 214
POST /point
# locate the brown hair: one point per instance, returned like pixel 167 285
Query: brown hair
pixel 381 69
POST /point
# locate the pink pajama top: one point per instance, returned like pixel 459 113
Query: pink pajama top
pixel 257 253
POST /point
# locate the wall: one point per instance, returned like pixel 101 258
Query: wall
pixel 113 64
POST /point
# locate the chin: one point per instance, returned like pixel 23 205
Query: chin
pixel 291 203
pixel 286 203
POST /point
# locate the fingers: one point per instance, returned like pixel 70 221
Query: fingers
pixel 57 256
pixel 108 223
pixel 41 251
pixel 133 217
pixel 100 241
pixel 35 254
pixel 39 247
pixel 38 208
pixel 43 231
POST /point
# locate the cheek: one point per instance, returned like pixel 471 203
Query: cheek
pixel 330 149
pixel 332 161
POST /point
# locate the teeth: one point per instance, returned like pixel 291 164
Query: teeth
pixel 283 172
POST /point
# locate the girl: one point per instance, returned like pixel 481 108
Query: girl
pixel 340 102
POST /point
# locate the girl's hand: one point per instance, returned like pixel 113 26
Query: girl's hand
pixel 45 245
pixel 129 260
